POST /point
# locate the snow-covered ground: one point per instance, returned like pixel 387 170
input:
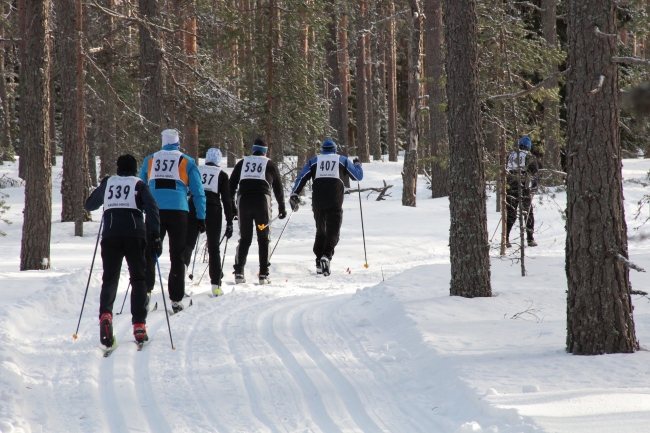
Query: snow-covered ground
pixel 378 349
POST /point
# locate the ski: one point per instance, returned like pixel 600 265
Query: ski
pixel 171 312
pixel 108 350
pixel 155 307
pixel 142 345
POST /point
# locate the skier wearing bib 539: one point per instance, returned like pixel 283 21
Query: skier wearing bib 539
pixel 124 236
pixel 215 184
pixel 170 174
pixel 252 179
pixel 327 170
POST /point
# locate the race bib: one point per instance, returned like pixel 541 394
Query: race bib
pixel 254 167
pixel 327 166
pixel 210 178
pixel 513 164
pixel 165 165
pixel 120 192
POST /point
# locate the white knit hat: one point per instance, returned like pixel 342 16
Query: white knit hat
pixel 170 136
pixel 213 156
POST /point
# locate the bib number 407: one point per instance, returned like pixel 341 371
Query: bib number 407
pixel 328 165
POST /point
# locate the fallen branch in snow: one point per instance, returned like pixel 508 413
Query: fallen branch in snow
pixel 533 312
pixel 628 263
pixel 381 190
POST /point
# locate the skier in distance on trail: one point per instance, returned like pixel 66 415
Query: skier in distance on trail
pixel 252 180
pixel 327 170
pixel 521 165
pixel 124 235
pixel 170 173
pixel 217 191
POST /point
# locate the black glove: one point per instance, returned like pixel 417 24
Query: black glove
pixel 156 245
pixel 200 224
pixel 283 214
pixel 229 230
pixel 355 161
pixel 294 201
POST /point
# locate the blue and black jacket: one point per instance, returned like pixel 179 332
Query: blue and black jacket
pixel 327 192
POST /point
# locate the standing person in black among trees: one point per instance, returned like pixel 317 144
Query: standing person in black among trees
pixel 252 180
pixel 124 197
pixel 217 191
pixel 522 166
pixel 327 170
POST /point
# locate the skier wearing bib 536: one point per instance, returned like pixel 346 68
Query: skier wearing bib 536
pixel 252 179
pixel 124 197
pixel 217 191
pixel 524 169
pixel 170 174
pixel 327 170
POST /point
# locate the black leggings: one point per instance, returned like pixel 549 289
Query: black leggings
pixel 512 202
pixel 254 210
pixel 213 232
pixel 328 228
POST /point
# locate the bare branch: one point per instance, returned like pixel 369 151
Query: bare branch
pixel 527 91
pixel 548 170
pixel 599 86
pixel 530 5
pixel 628 263
pixel 631 61
pixel 603 35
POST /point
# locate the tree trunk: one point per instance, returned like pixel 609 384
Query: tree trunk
pixel 35 244
pixel 391 85
pixel 6 151
pixel 334 77
pixel 438 138
pixel 468 237
pixel 599 308
pixel 344 83
pixel 22 172
pixel 73 127
pixel 105 116
pixel 375 96
pixel 551 115
pixel 191 141
pixel 361 78
pixel 151 92
pixel 410 171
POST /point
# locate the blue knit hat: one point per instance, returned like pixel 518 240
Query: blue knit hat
pixel 329 146
pixel 260 146
pixel 525 143
pixel 213 156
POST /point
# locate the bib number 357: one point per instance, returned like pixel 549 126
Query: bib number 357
pixel 165 164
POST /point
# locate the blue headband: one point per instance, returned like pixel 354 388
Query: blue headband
pixel 258 148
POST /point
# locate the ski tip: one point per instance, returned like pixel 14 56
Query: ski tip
pixel 75 336
pixel 191 302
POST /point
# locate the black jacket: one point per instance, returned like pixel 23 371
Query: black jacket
pixel 214 199
pixel 127 222
pixel 254 186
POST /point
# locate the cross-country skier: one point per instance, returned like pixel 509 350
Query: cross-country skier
pixel 124 197
pixel 170 174
pixel 252 179
pixel 327 170
pixel 522 166
pixel 217 191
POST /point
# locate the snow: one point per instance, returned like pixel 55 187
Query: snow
pixel 378 349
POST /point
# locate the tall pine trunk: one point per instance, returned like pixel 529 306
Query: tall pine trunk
pixel 391 85
pixel 75 183
pixel 551 107
pixel 151 90
pixel 361 79
pixel 599 308
pixel 438 138
pixel 106 117
pixel 35 244
pixel 410 171
pixel 344 83
pixel 191 141
pixel 334 77
pixel 468 237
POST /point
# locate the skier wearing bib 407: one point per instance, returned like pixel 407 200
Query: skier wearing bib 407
pixel 327 171
pixel 124 236
pixel 252 179
pixel 522 166
pixel 217 191
pixel 170 174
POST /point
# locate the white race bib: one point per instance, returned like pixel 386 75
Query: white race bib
pixel 512 161
pixel 165 165
pixel 254 167
pixel 120 192
pixel 210 178
pixel 327 166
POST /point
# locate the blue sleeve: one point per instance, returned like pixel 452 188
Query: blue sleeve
pixel 303 177
pixel 196 188
pixel 355 171
pixel 144 175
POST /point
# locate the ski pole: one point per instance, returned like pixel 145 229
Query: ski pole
pixel 281 233
pixel 223 260
pixel 92 264
pixel 206 268
pixel 164 302
pixel 125 295
pixel 363 231
pixel 196 250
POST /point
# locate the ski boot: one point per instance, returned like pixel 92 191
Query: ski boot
pixel 319 270
pixel 532 243
pixel 239 278
pixel 216 290
pixel 264 279
pixel 177 306
pixel 140 333
pixel 508 244
pixel 106 329
pixel 325 266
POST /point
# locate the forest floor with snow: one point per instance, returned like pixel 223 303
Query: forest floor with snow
pixel 383 349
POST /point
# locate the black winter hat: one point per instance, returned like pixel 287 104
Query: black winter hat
pixel 127 163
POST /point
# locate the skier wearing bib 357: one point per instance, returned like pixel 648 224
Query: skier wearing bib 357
pixel 170 174
pixel 254 176
pixel 215 184
pixel 327 171
pixel 124 196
